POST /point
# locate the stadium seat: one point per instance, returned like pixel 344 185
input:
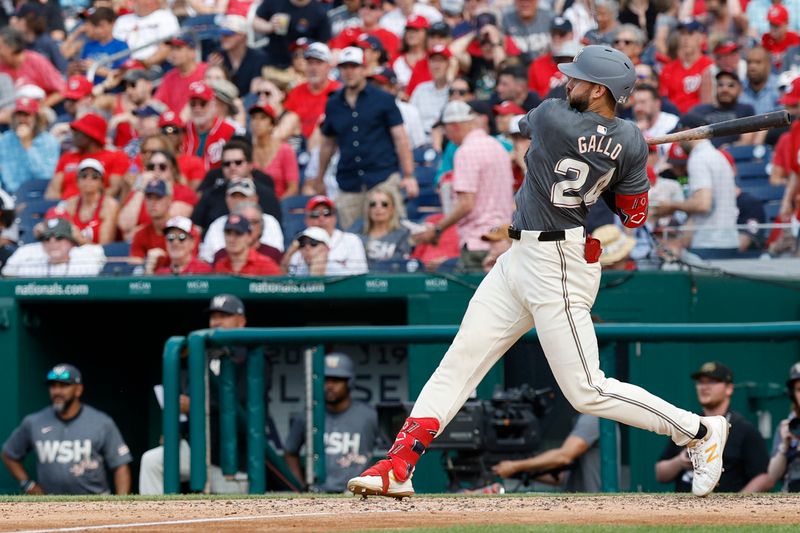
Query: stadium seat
pixel 292 225
pixel 743 154
pixel 761 189
pixel 31 190
pixel 119 268
pixel 32 213
pixel 425 176
pixel 751 170
pixel 426 156
pixel 293 205
pixel 771 209
pixel 117 249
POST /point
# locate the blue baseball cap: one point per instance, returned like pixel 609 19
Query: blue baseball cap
pixel 158 187
pixel 238 224
pixel 64 373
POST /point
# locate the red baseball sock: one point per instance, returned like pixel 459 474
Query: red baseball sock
pixel 411 442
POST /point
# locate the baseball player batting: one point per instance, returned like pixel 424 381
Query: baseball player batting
pixel 549 277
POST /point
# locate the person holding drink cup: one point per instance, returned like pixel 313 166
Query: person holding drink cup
pixel 285 21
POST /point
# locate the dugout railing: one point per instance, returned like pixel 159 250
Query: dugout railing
pixel 258 451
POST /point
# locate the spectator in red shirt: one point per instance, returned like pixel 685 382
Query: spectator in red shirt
pixel 778 38
pixel 174 88
pixel 160 165
pixel 305 104
pixel 158 198
pixel 173 128
pixel 181 238
pixel 543 73
pixel 206 133
pixel 29 67
pixel 89 138
pixel 439 35
pixel 241 257
pixel 687 80
pixel 271 155
pixel 92 211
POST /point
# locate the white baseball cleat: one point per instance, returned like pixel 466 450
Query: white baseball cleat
pixel 380 480
pixel 706 455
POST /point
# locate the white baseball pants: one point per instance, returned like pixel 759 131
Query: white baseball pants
pixel 549 284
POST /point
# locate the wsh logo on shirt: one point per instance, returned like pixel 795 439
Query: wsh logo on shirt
pixel 63 451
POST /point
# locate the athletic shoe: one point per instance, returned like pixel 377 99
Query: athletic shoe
pixel 379 480
pixel 706 455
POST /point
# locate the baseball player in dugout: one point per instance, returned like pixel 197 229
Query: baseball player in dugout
pixel 745 455
pixel 550 276
pixel 74 443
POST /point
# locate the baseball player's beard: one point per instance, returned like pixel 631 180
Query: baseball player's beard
pixel 63 406
pixel 578 102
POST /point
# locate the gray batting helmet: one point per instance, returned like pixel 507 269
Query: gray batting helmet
pixel 606 66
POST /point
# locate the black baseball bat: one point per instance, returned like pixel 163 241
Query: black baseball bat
pixel 765 121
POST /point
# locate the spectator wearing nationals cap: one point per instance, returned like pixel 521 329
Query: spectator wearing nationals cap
pixel 413 48
pixel 158 196
pixel 543 73
pixel 366 126
pixel 345 254
pixel 89 138
pixel 78 99
pixel 92 210
pixel 504 112
pixel 272 155
pixel 430 97
pixel 728 57
pixel 439 34
pixel 181 237
pixel 27 150
pixel 241 258
pixel 374 54
pixel 174 88
pixel 206 132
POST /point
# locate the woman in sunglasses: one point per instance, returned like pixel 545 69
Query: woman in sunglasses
pixel 158 164
pixel 92 211
pixel 272 155
pixel 384 238
pixel 181 237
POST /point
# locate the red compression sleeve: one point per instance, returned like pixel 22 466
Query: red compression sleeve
pixel 632 209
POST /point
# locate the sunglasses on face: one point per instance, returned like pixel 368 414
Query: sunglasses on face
pixel 459 92
pixel 198 103
pixel 172 237
pixel 160 166
pixel 49 236
pixel 89 175
pixel 129 84
pixel 382 203
pixel 233 162
pixel 264 93
pixel 624 41
pixel 317 214
pixel 309 242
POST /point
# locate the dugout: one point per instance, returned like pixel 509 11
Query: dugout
pixel 115 329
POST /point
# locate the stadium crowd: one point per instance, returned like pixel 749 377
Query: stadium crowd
pixel 336 137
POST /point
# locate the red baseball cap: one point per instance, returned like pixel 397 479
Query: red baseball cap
pixel 77 87
pixel 133 64
pixel 508 108
pixel 93 126
pixel 417 22
pixel 726 47
pixel 26 105
pixel 200 90
pixel 777 15
pixel 318 200
pixel 792 94
pixel 170 118
pixel 440 50
pixel 264 108
pixel 676 155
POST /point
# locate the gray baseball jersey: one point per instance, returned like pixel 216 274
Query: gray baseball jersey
pixel 71 456
pixel 572 159
pixel 350 438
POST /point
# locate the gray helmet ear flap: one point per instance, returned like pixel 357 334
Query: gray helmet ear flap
pixel 605 66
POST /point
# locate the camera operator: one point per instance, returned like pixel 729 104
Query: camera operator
pixel 575 465
pixel 784 464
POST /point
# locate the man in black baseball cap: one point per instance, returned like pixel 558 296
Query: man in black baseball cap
pixel 745 456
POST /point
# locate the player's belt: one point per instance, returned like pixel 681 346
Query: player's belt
pixel 544 236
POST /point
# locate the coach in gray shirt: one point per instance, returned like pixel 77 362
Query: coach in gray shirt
pixel 74 444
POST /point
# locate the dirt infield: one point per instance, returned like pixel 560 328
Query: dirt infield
pixel 308 513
